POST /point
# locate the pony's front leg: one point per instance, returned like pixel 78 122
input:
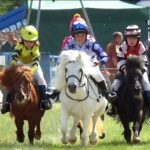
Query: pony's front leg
pixel 19 125
pixel 31 131
pixel 85 135
pixel 93 136
pixel 136 126
pixel 136 138
pixel 72 137
pixel 64 121
pixel 37 134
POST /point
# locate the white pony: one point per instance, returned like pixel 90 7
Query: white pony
pixel 78 95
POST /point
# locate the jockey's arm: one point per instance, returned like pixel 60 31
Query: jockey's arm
pixel 121 61
pixel 15 57
pixel 16 54
pixel 101 54
pixel 35 63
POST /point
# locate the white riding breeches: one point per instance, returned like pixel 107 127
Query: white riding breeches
pixel 38 73
pixel 145 81
pixel 146 85
pixel 116 84
pixel 97 75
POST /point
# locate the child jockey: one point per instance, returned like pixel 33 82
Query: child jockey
pixel 80 39
pixel 131 46
pixel 27 53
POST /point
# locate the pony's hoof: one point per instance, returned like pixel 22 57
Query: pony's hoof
pixel 72 141
pixel 37 136
pixel 93 142
pixel 102 136
pixel 136 140
pixel 64 141
pixel 20 140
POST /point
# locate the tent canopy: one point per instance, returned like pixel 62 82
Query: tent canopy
pixel 106 17
pixel 75 4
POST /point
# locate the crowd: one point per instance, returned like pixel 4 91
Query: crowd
pixel 26 51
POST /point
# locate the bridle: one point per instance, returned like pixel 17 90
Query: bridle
pixel 23 91
pixel 81 84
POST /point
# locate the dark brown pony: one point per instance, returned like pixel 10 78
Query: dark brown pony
pixel 25 101
pixel 130 106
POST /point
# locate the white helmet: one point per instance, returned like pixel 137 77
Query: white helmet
pixel 132 30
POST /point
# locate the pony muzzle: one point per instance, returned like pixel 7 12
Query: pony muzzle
pixel 72 88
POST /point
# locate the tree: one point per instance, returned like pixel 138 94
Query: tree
pixel 7 5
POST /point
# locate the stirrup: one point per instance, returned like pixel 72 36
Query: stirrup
pixel 45 104
pixel 112 97
pixel 112 112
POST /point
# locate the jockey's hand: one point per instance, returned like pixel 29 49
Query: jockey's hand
pixel 97 63
pixel 33 69
pixel 13 62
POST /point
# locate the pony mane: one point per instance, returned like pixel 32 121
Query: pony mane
pixel 15 74
pixel 134 62
pixel 67 56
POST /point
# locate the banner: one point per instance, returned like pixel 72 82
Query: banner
pixel 13 20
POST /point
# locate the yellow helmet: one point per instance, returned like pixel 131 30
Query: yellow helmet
pixel 29 33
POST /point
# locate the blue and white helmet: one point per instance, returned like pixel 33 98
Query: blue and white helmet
pixel 78 25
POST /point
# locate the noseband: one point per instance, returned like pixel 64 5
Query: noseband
pixel 78 79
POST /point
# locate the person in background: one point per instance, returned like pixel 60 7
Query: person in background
pixel 81 40
pixel 2 39
pixel 131 46
pixel 147 47
pixel 112 50
pixel 10 43
pixel 27 53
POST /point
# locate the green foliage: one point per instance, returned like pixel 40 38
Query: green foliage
pixel 51 135
pixel 7 5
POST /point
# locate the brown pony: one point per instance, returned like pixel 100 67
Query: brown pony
pixel 25 100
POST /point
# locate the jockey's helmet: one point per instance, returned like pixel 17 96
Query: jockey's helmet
pixel 78 25
pixel 132 31
pixel 29 33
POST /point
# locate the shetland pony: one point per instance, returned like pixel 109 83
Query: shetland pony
pixel 130 107
pixel 79 95
pixel 24 101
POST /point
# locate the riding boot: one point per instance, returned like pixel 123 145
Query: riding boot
pixel 113 111
pixel 45 100
pixel 6 104
pixel 110 96
pixel 54 95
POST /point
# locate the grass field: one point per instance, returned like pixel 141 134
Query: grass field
pixel 51 135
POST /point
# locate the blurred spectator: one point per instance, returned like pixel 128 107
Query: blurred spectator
pixel 10 43
pixel 2 39
pixel 147 47
pixel 112 49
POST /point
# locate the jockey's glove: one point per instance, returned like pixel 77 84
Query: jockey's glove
pixel 33 69
pixel 13 62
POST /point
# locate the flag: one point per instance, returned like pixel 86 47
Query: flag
pixel 13 20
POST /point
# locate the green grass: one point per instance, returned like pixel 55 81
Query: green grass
pixel 51 135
